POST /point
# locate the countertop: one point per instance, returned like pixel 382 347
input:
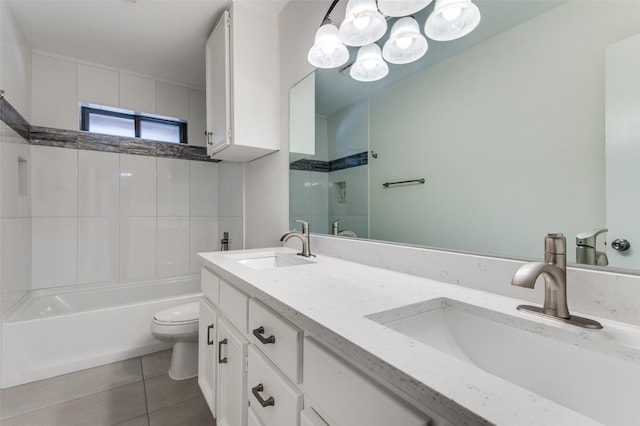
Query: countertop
pixel 330 298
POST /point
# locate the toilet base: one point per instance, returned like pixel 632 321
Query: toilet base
pixel 184 361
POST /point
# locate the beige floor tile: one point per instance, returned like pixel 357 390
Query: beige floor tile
pixel 46 393
pixel 138 421
pixel 105 408
pixel 194 412
pixel 162 391
pixel 156 364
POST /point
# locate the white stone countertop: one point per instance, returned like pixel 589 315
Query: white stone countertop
pixel 330 298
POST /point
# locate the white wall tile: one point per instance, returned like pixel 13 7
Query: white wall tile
pixel 54 251
pixel 197 118
pixel 54 92
pixel 173 246
pixel 97 249
pixel 230 189
pixel 137 93
pixel 54 183
pixel 98 183
pixel 203 237
pixel 203 188
pixel 15 180
pixel 98 85
pixel 15 254
pixel 319 193
pixel 137 248
pixel 137 185
pixel 235 227
pixel 172 100
pixel 173 187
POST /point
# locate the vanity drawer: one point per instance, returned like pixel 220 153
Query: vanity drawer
pixel 328 378
pixel 233 304
pixel 210 284
pixel 308 417
pixel 273 398
pixel 277 338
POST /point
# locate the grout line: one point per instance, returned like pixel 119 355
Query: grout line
pixel 144 388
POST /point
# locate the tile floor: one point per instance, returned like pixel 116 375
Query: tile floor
pixel 135 392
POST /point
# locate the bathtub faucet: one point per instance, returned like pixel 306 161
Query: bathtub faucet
pixel 302 236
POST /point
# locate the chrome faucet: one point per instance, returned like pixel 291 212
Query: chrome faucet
pixel 303 236
pixel 586 252
pixel 554 272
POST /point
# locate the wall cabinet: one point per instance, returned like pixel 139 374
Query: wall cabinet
pixel 242 81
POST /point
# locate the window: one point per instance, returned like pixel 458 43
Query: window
pixel 125 123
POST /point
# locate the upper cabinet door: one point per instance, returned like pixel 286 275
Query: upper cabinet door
pixel 218 63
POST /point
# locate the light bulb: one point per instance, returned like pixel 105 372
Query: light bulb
pixel 361 22
pixel 404 42
pixel 369 64
pixel 451 13
pixel 328 49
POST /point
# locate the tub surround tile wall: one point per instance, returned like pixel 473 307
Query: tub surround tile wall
pixel 12 118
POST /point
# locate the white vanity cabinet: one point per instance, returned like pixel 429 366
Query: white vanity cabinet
pixel 231 404
pixel 242 85
pixel 347 396
pixel 207 345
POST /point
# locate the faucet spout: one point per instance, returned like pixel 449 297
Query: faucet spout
pixel 555 278
pixel 302 236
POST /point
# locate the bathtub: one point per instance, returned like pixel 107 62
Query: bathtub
pixel 56 331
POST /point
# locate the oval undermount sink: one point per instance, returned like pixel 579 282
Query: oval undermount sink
pixel 269 260
pixel 563 365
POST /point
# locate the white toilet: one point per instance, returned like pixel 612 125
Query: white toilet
pixel 179 326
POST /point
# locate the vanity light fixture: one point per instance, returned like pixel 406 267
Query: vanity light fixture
pixel 452 19
pixel 405 43
pixel 365 23
pixel 369 65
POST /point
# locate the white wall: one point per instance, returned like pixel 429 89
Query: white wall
pixel 15 62
pixel 59 84
pixel 448 133
pixel 348 130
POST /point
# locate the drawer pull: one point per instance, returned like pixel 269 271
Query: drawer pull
pixel 221 360
pixel 209 339
pixel 258 333
pixel 256 392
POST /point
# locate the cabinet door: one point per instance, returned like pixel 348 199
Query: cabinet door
pixel 231 406
pixel 218 81
pixel 207 345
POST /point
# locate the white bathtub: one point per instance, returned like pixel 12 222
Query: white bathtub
pixel 56 331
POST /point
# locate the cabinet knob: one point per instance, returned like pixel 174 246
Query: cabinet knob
pixel 264 402
pixel 264 340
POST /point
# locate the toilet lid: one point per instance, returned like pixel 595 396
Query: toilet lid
pixel 180 313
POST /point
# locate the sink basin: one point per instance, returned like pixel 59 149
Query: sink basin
pixel 543 359
pixel 269 260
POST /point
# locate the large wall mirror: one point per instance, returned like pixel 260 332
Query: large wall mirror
pixel 528 125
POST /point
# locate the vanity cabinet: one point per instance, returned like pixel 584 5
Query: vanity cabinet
pixel 231 404
pixel 242 81
pixel 207 344
pixel 269 374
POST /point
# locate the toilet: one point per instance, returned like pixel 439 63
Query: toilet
pixel 179 326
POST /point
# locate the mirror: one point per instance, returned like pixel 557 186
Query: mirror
pixel 506 126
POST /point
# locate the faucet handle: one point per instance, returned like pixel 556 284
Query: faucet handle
pixel 555 244
pixel 589 238
pixel 305 226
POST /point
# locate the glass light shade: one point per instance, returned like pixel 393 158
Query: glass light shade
pixel 405 43
pixel 327 50
pixel 362 24
pixel 401 7
pixel 369 65
pixel 452 19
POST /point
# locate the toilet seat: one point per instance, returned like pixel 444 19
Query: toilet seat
pixel 182 314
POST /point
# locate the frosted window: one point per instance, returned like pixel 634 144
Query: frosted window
pixel 111 125
pixel 159 131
